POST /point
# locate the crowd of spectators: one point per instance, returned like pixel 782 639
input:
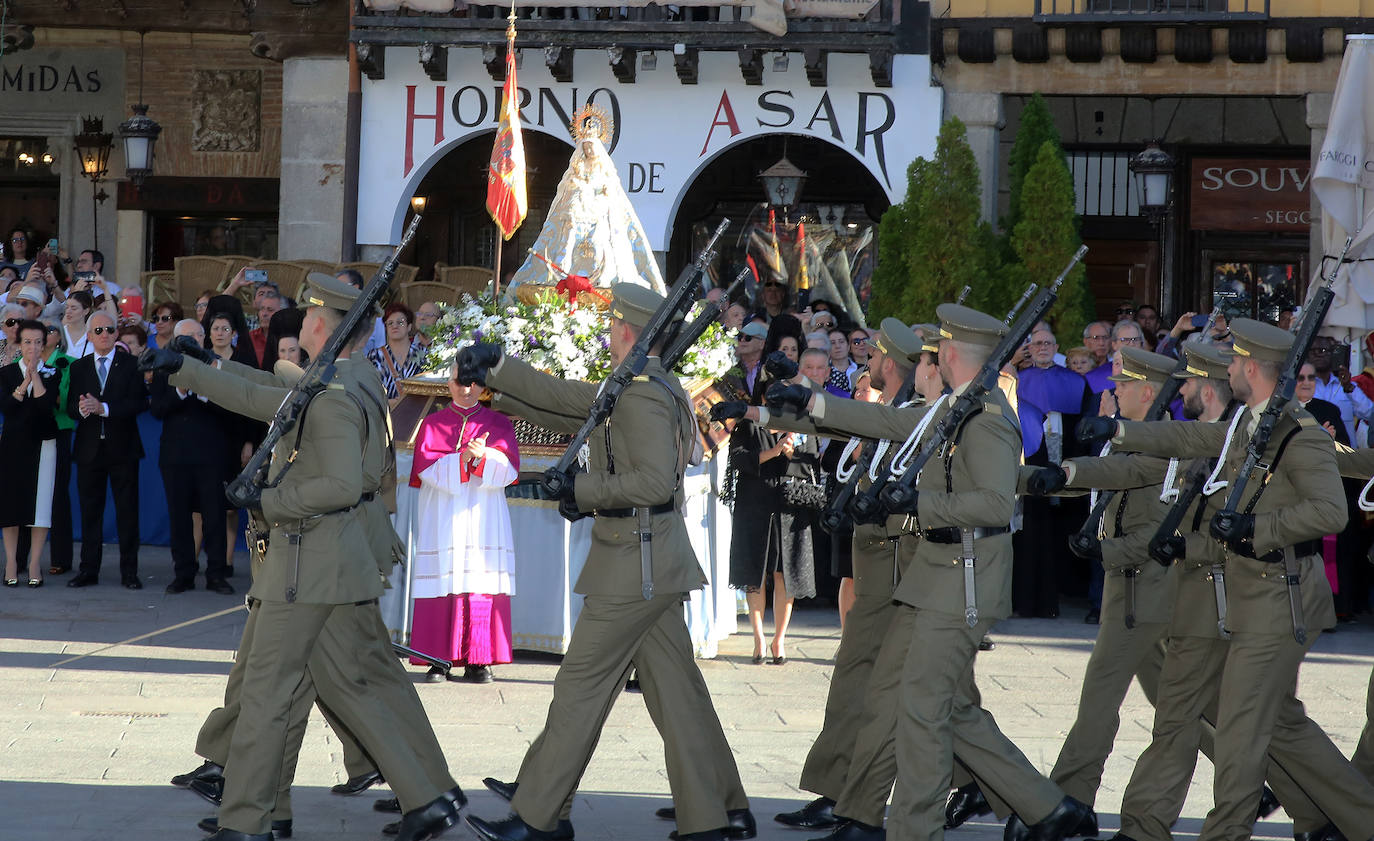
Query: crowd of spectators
pixel 73 395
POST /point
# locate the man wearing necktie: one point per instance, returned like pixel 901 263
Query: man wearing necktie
pixel 105 395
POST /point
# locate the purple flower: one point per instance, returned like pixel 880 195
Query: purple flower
pixel 477 335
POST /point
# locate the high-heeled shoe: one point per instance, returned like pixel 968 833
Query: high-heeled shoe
pixel 35 582
pixel 11 582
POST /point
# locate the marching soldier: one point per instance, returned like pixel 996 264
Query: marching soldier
pixel 964 500
pixel 1294 498
pixel 315 589
pixel 881 555
pixel 639 570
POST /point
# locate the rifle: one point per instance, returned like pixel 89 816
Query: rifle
pixel 680 298
pixel 687 336
pixel 1311 322
pixel 865 507
pixel 316 378
pixel 1083 539
pixel 963 294
pixel 1193 481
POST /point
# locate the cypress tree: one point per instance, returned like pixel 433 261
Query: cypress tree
pixel 1047 236
pixel 1036 128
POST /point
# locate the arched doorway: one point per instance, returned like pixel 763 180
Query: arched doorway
pixel 456 228
pixel 840 205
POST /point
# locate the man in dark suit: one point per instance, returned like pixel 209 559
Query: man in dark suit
pixel 192 465
pixel 105 395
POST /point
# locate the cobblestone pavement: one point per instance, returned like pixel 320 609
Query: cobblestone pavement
pixel 87 749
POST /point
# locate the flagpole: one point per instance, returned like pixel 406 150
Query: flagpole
pixel 496 275
pixel 500 233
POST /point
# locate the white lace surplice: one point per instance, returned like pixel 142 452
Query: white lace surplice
pixel 463 543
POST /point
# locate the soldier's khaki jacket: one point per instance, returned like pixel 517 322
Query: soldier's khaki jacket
pixel 337 560
pixel 1129 522
pixel 1304 501
pixel 983 465
pixel 651 435
pixel 882 552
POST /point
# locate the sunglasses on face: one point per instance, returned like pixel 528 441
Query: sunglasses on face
pixel 859 341
pixel 1125 311
pixel 1094 338
pixel 746 338
pixel 52 330
pixel 771 285
pixel 100 331
pixel 1307 378
pixel 164 318
pixel 20 238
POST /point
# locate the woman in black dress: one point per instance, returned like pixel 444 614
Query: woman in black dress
pixel 28 395
pixel 771 540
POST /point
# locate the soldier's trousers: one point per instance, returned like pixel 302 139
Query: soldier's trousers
pixel 1188 690
pixel 612 634
pixel 1363 759
pixel 930 655
pixel 827 764
pixel 212 742
pixel 355 674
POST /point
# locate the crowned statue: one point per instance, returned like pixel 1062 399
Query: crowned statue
pixel 591 237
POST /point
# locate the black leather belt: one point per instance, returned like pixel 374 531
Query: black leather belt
pixel 953 534
pixel 665 508
pixel 364 602
pixel 1275 556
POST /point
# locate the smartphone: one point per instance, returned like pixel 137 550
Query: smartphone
pixel 42 261
pixel 89 277
pixel 52 246
pixel 1340 357
pixel 255 275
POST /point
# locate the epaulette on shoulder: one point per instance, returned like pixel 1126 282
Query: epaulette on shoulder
pixel 642 378
pixel 992 407
pixel 1306 420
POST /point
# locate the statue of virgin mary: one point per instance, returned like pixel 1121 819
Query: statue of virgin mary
pixel 591 230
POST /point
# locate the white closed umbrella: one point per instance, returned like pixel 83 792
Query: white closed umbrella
pixel 1343 180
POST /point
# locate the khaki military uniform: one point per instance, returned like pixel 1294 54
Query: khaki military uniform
pixel 332 630
pixel 852 701
pixel 1359 464
pixel 929 649
pixel 648 439
pixel 1255 674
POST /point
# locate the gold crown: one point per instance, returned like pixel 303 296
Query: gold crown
pixel 592 121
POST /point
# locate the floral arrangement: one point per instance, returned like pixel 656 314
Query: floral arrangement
pixel 552 336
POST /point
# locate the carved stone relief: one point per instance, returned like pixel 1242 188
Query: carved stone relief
pixel 226 111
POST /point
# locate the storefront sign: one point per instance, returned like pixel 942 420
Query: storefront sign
pixel 665 132
pixel 1242 194
pixel 64 81
pixel 225 196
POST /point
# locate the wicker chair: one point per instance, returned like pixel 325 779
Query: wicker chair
pixel 288 276
pixel 321 266
pixel 367 270
pixel 159 287
pixel 416 293
pixel 196 274
pixel 473 280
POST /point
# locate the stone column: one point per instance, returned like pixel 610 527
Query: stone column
pixel 982 114
pixel 315 100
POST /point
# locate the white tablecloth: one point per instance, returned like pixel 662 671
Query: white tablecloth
pixel 550 552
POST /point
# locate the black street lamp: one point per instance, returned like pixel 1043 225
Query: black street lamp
pixel 93 147
pixel 139 134
pixel 782 182
pixel 1153 171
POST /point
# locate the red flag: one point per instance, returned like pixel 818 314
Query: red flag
pixel 506 201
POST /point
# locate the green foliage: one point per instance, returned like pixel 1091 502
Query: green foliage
pixel 1036 129
pixel 1047 237
pixel 934 243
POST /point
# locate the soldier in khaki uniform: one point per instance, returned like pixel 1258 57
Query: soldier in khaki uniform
pixel 637 461
pixel 314 593
pixel 1256 673
pixel 968 491
pixel 881 555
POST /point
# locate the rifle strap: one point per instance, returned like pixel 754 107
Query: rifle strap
pixel 1269 469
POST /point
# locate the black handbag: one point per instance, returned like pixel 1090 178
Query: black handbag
pixel 803 493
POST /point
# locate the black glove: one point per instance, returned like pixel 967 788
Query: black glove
pixel 560 484
pixel 1166 550
pixel 779 367
pixel 247 495
pixel 1087 547
pixel 783 396
pixel 190 347
pixel 728 410
pixel 1046 481
pixel 897 499
pixel 160 359
pixel 1237 531
pixel 1096 431
pixel 474 362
